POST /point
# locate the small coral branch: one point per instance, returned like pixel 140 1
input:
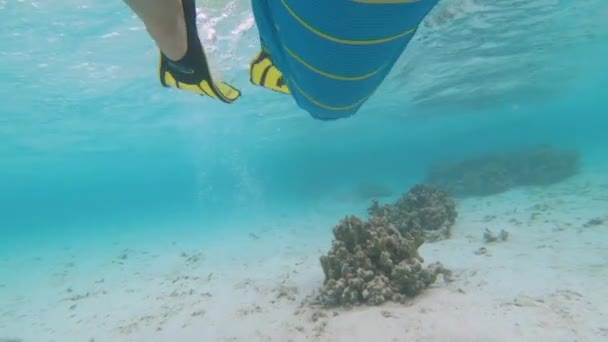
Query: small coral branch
pixel 490 237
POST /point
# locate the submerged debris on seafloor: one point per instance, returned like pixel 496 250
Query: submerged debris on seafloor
pixel 489 236
pixel 482 251
pixel 595 222
pixel 495 173
pixel 424 208
pixel 372 262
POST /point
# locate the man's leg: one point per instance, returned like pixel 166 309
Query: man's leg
pixel 164 20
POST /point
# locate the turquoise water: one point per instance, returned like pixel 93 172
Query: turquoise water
pixel 93 148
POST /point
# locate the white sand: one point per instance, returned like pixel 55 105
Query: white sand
pixel 546 283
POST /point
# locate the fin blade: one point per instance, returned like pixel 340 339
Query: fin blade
pixel 263 73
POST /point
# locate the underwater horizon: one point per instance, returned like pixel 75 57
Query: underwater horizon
pixel 95 151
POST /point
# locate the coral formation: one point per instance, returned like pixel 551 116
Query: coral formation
pixel 490 237
pixel 424 208
pixel 372 262
pixel 496 173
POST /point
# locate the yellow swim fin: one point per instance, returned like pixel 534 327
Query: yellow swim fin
pixel 197 79
pixel 264 73
pixel 192 72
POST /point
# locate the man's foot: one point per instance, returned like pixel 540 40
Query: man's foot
pixel 191 72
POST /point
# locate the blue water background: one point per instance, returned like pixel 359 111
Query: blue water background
pixel 92 146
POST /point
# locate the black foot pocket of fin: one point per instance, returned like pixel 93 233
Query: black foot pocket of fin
pixel 192 72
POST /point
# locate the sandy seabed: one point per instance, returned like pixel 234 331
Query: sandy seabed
pixel 547 282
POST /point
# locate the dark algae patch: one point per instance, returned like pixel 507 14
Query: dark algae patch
pixel 491 174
